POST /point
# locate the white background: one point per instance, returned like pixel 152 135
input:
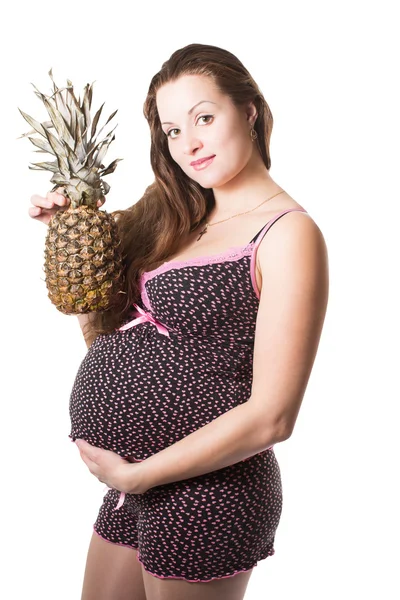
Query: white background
pixel 330 73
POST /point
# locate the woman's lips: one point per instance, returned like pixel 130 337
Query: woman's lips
pixel 204 164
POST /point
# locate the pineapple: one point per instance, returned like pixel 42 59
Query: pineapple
pixel 83 263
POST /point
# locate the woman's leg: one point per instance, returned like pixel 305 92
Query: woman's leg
pixel 227 588
pixel 112 572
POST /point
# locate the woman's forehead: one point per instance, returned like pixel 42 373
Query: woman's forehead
pixel 182 95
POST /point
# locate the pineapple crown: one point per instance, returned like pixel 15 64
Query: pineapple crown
pixel 78 162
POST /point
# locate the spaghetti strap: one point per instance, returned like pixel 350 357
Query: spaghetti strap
pixel 265 228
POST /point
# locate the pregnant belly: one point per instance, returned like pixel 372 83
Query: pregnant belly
pixel 137 393
pixel 117 381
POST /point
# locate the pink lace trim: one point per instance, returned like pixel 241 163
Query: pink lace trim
pixel 233 253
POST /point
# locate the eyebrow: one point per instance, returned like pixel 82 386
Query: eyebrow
pixel 190 111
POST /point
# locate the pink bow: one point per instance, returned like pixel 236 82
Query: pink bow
pixel 145 317
pixel 121 498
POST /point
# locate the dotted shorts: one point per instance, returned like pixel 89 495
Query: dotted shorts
pixel 202 528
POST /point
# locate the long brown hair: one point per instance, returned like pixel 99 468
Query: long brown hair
pixel 174 205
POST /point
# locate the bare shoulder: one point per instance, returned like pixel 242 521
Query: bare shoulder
pixel 294 241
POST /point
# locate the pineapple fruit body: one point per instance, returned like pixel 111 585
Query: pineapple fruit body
pixel 83 263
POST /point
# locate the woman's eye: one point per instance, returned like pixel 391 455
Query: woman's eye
pixel 205 117
pixel 176 129
pixel 169 133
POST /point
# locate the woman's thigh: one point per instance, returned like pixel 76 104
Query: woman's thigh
pixel 226 588
pixel 112 572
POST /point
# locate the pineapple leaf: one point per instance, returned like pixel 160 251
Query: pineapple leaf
pixel 35 124
pixel 58 92
pixel 108 120
pixel 101 154
pixel 38 92
pixel 73 99
pixel 73 123
pixel 45 146
pixel 46 124
pixel 59 124
pixel 62 107
pixel 106 138
pixel 111 167
pixel 94 160
pixel 111 116
pixel 95 121
pixel 105 188
pixel 85 106
pixel 91 151
pixel 91 94
pixel 79 130
pixel 83 173
pixel 73 161
pixel 60 153
pixel 35 168
pixel 93 177
pixel 47 166
pixel 26 134
pixel 56 145
pixel 79 147
pixel 51 77
pixel 59 180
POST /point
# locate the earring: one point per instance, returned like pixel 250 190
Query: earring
pixel 253 134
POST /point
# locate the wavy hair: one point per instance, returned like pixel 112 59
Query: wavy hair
pixel 174 205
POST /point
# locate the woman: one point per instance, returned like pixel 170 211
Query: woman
pixel 186 387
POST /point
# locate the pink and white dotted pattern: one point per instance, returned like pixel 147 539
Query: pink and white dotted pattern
pixel 185 360
pixel 203 528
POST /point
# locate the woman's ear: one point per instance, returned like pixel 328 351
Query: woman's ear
pixel 251 113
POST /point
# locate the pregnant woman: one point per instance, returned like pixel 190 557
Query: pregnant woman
pixel 185 390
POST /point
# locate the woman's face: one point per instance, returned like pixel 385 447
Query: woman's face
pixel 213 128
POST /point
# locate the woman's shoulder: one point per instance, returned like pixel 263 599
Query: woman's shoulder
pixel 296 230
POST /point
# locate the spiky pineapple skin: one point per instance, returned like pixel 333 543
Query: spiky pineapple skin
pixel 83 263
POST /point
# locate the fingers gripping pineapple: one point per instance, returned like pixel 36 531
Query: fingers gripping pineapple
pixel 83 262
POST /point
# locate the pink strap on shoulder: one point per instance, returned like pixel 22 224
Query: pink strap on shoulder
pixel 258 241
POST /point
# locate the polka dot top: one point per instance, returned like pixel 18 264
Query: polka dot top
pixel 184 360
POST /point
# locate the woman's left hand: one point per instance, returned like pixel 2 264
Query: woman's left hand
pixel 111 469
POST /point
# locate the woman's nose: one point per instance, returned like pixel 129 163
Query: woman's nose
pixel 191 143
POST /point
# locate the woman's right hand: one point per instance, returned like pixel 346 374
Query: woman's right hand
pixel 45 207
